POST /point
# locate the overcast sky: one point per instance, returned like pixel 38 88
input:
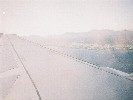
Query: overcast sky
pixel 43 17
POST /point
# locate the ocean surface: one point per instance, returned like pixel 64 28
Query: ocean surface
pixel 121 60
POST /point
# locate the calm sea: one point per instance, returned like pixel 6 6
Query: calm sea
pixel 118 59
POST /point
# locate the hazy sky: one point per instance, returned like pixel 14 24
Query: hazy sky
pixel 43 17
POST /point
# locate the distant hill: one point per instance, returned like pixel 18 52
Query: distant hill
pixel 95 37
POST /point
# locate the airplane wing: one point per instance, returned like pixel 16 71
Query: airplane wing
pixel 29 71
